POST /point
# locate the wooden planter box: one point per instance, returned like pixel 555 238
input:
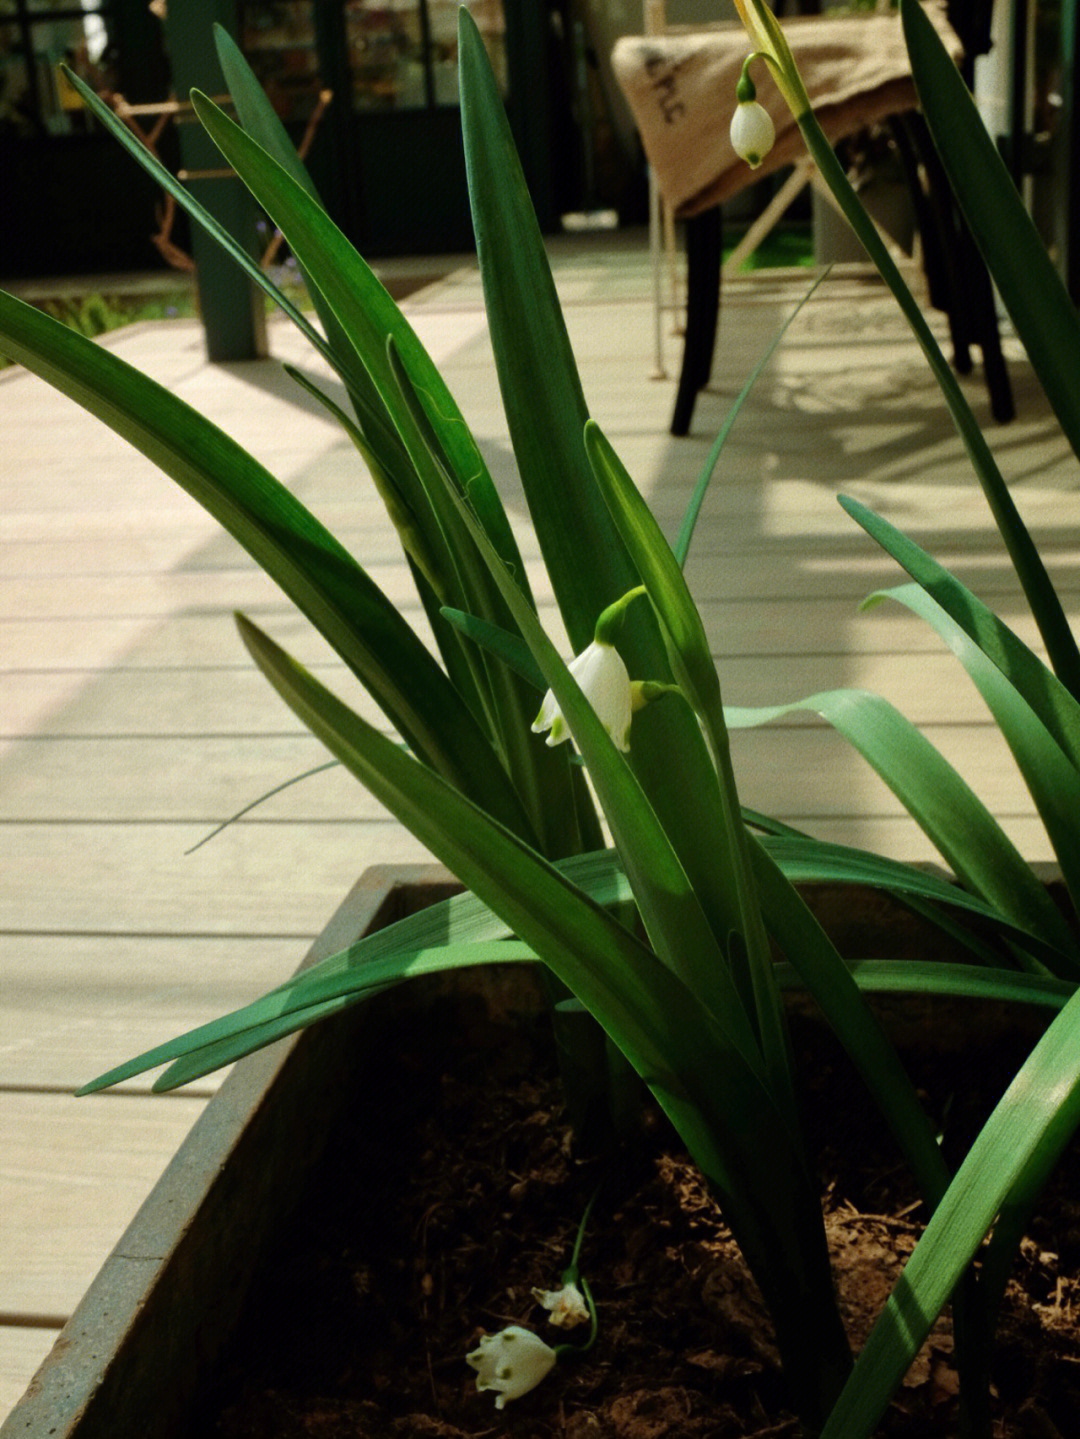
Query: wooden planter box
pixel 152 1325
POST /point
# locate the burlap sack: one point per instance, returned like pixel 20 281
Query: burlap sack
pixel 681 89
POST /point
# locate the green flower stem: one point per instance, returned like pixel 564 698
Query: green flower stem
pixel 1045 605
pixel 611 619
pixel 564 1351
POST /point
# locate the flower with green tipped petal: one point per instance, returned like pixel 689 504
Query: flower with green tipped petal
pixel 566 1306
pixel 511 1363
pixel 752 130
pixel 605 683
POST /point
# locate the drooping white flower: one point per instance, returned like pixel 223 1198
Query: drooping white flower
pixel 567 1305
pixel 511 1362
pixel 752 132
pixel 605 683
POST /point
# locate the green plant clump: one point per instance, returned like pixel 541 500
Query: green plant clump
pixel 647 893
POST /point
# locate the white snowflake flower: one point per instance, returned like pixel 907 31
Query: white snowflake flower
pixel 511 1363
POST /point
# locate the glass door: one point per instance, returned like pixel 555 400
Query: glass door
pixel 389 145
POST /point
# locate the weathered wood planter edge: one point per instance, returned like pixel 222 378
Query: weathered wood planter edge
pixel 161 1311
pixel 163 1305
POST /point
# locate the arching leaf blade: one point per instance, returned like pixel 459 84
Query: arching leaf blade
pixel 1038 1111
pixel 1043 690
pixel 1053 781
pixel 942 804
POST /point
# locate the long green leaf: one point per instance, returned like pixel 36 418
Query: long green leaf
pixel 372 321
pixel 1052 779
pixel 260 120
pixel 425 563
pixel 510 648
pixel 347 365
pixel 1038 1111
pixel 541 390
pixel 413 539
pixel 714 1096
pixel 1045 316
pixel 806 860
pixel 678 927
pixel 363 308
pixel 542 776
pixel 961 981
pixel 282 536
pixel 815 959
pixel 730 894
pixel 681 546
pixel 1031 572
pixel 257 115
pixel 458 921
pixel 1044 692
pixel 376 975
pixel 950 814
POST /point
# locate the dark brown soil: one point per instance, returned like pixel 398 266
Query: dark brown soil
pixel 434 1220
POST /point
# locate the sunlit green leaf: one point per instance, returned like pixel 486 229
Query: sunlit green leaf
pixel 950 814
pixel 1038 1111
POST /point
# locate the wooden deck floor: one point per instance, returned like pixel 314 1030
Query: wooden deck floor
pixel 131 721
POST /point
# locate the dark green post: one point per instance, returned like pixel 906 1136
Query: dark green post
pixel 233 311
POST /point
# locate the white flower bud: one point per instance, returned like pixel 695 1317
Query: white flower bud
pixel 752 132
pixel 605 683
pixel 567 1305
pixel 511 1362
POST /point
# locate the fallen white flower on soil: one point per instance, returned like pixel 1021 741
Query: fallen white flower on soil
pixel 511 1362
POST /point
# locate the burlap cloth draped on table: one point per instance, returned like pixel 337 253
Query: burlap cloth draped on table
pixel 681 89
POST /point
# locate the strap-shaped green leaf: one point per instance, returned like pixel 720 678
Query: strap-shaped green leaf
pixel 715 1097
pixel 1031 572
pixel 373 322
pixel 321 578
pixel 681 547
pixel 413 540
pixel 347 365
pixel 511 649
pixel 426 564
pixel 1053 781
pixel 542 776
pixel 538 377
pixel 257 115
pixel 1038 1111
pixel 942 804
pixel 326 997
pixel 806 860
pixel 1038 303
pixel 260 120
pixel 363 308
pixel 678 927
pixel 460 920
pixel 1044 692
pixel 960 981
pixel 731 895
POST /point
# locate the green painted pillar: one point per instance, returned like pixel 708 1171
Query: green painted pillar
pixel 232 308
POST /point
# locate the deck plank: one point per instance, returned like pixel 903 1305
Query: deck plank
pixel 75 1171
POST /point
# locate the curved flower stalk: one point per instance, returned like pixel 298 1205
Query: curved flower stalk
pixel 771 44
